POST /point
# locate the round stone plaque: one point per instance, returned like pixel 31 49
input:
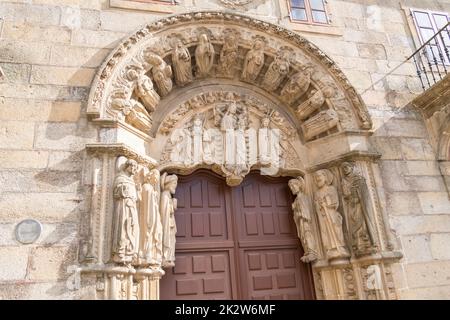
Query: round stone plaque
pixel 28 231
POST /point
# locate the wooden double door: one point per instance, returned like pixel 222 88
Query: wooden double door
pixel 236 243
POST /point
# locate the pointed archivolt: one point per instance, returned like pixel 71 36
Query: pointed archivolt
pixel 195 49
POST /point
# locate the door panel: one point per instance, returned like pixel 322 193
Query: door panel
pixel 236 243
pixel 199 275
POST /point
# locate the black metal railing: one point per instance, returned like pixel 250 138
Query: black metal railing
pixel 432 59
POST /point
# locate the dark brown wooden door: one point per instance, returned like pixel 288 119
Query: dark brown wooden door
pixel 236 243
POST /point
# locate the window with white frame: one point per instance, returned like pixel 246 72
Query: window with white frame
pixel 308 11
pixel 428 23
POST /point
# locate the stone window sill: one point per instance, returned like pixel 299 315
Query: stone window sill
pixel 313 28
pixel 145 6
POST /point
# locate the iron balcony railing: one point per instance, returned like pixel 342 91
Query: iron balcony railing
pixel 432 59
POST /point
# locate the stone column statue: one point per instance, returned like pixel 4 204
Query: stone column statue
pixel 150 221
pixel 360 221
pixel 125 237
pixel 168 206
pixel 254 61
pixel 204 56
pixel 181 59
pixel 330 220
pixel 302 216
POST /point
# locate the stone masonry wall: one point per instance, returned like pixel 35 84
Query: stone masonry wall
pixel 49 52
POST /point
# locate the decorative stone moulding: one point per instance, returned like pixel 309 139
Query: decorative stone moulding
pixel 232 94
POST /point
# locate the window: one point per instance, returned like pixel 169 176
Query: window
pixel 308 11
pixel 428 23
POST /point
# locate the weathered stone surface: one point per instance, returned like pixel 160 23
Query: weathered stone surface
pixel 71 56
pixel 440 243
pixel 403 203
pixel 417 149
pixel 63 136
pixel 96 39
pixel 39 110
pixel 13 265
pixel 24 52
pixel 80 77
pixel 428 274
pixel 23 159
pixel 33 32
pixel 36 181
pixel 416 248
pixel 52 234
pixel 374 51
pixel 434 202
pixel 16 135
pixel 65 161
pixel 46 207
pixel 409 225
pixel 50 263
pixel 15 72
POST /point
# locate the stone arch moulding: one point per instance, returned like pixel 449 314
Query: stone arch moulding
pixel 230 93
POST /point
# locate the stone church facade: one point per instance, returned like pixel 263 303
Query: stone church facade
pixel 230 149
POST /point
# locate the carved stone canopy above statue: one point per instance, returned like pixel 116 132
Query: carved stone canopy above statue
pixel 179 52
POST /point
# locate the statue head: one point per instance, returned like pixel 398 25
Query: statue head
pixel 153 58
pixel 323 177
pixel 259 44
pixel 203 38
pixel 169 182
pixel 197 120
pixel 297 185
pixel 232 107
pixel 347 168
pixel 265 121
pixel 328 91
pixel 131 167
pixel 152 177
pixel 132 74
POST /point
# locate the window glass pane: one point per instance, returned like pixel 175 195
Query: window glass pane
pixel 423 19
pixel 298 3
pixel 440 20
pixel 299 14
pixel 426 34
pixel 319 16
pixel 317 5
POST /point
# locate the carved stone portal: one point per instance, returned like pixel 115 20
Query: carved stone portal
pixel 230 93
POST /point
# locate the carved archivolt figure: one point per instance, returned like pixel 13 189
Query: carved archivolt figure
pixel 168 206
pixel 321 122
pixel 125 237
pixel 254 61
pixel 161 72
pixel 204 56
pixel 181 59
pixel 316 99
pixel 297 85
pixel 228 55
pixel 278 69
pixel 150 221
pixel 330 220
pixel 144 89
pixel 360 222
pixel 133 113
pixel 303 219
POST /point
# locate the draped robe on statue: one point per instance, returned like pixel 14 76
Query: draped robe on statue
pixel 126 225
pixel 151 226
pixel 167 208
